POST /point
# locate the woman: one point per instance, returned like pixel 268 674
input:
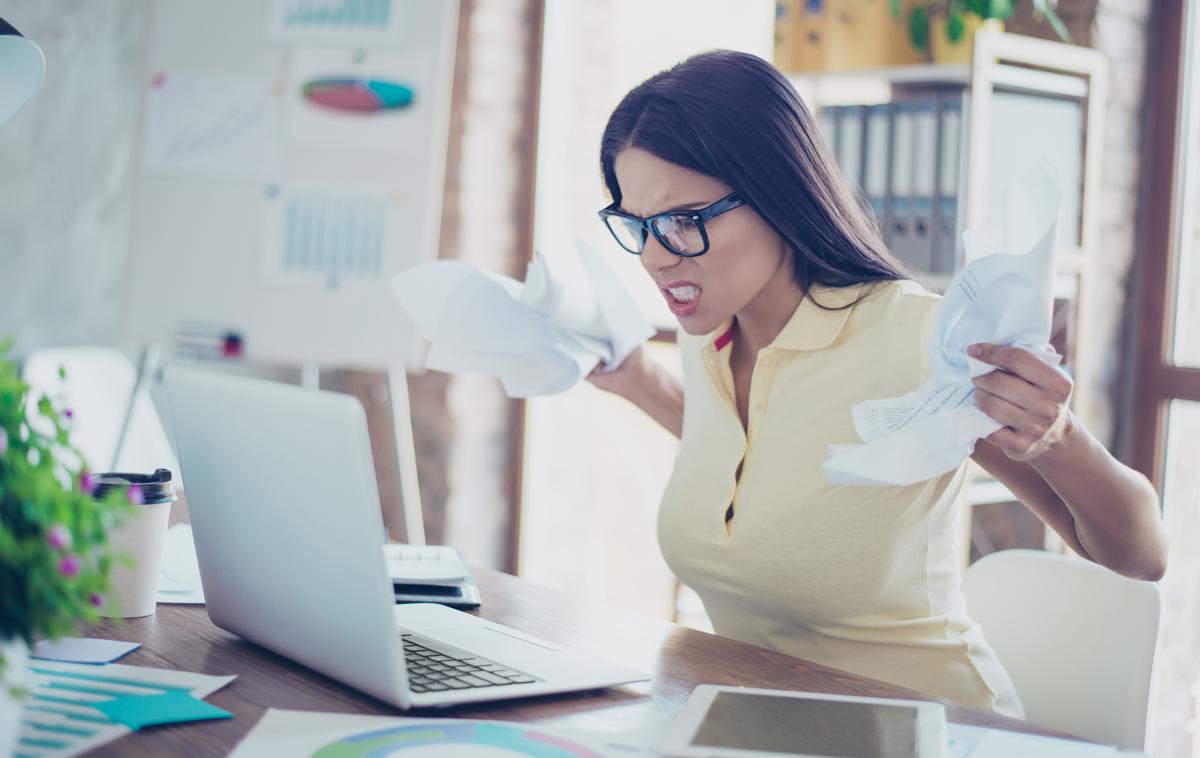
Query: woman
pixel 792 310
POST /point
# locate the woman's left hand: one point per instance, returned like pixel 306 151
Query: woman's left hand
pixel 1025 394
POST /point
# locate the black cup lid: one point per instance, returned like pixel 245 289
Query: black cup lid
pixel 156 487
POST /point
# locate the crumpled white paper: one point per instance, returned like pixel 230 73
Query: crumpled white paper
pixel 1004 296
pixel 539 337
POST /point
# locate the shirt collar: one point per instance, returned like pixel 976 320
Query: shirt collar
pixel 812 326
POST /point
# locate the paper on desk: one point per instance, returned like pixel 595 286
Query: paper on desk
pixel 1004 295
pixel 308 733
pixel 434 564
pixel 961 739
pixel 82 650
pixel 979 742
pixel 539 337
pixel 179 578
pixel 61 719
pixel 1001 744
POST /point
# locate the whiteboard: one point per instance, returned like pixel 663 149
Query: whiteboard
pixel 292 159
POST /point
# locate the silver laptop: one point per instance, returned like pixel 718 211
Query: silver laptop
pixel 289 536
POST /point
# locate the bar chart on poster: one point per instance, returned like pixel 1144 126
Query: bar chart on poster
pixel 284 181
pixel 324 234
pixel 301 20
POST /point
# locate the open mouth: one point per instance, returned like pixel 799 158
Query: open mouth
pixel 683 298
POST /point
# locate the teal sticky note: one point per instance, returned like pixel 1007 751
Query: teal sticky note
pixel 137 711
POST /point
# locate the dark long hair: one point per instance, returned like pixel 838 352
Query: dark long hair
pixel 733 116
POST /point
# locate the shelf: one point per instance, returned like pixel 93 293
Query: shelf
pixel 927 73
pixel 875 86
pixel 879 85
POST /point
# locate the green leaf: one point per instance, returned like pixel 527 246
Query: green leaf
pixel 918 27
pixel 894 6
pixel 956 26
pixel 1000 9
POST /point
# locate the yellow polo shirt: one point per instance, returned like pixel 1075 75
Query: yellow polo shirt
pixel 864 579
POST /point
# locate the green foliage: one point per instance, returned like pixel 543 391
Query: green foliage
pixel 956 11
pixel 918 27
pixel 956 25
pixel 997 9
pixel 54 558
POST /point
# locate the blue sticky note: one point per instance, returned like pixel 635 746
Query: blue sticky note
pixel 137 711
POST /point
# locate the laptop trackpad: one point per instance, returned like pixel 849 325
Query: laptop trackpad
pixel 527 638
pixel 496 645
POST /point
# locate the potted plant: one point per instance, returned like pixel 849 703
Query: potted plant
pixel 943 29
pixel 54 559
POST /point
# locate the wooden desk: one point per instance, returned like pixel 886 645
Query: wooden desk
pixel 678 658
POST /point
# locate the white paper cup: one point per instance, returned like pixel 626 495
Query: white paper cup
pixel 140 537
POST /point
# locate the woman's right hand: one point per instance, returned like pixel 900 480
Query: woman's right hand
pixel 625 379
pixel 647 385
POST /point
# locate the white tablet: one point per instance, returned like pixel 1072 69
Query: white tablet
pixel 739 722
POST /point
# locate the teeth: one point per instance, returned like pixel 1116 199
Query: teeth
pixel 684 294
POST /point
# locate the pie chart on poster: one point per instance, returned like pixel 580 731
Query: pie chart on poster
pixel 463 740
pixel 357 95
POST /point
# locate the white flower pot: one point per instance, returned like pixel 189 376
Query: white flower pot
pixel 16 674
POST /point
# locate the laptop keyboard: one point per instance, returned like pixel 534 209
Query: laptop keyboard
pixel 440 669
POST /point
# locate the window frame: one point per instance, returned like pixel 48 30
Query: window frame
pixel 1158 380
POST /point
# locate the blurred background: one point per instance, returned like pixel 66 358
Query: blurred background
pixel 209 180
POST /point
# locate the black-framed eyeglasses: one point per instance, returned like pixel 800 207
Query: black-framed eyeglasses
pixel 680 232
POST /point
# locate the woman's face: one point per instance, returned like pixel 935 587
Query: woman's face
pixel 744 253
